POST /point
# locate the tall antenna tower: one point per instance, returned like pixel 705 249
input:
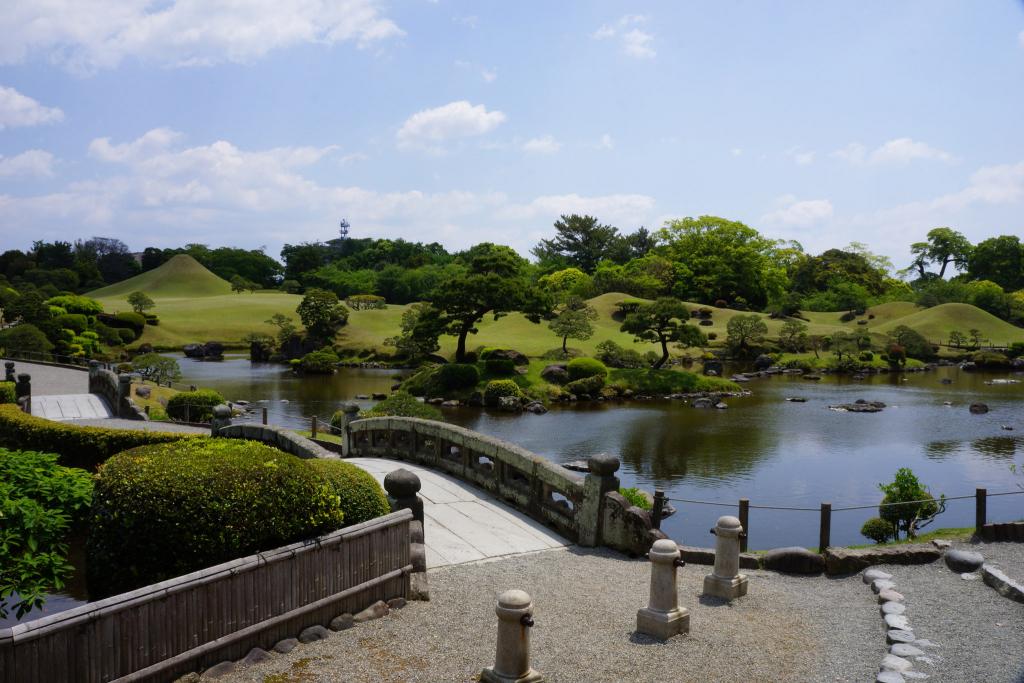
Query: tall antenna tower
pixel 343 228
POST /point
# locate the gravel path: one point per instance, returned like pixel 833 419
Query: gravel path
pixel 48 380
pixel 143 425
pixel 786 629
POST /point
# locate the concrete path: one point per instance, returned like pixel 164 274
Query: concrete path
pixel 63 407
pixel 48 380
pixel 463 523
pixel 142 425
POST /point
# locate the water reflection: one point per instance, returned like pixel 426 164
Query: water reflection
pixel 1000 447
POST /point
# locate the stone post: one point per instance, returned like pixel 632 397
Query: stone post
pixel 726 581
pixel 9 375
pixel 351 410
pixel 23 391
pixel 512 660
pixel 600 480
pixel 663 617
pixel 124 394
pixel 402 487
pixel 221 418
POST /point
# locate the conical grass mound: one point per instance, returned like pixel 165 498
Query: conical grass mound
pixel 181 277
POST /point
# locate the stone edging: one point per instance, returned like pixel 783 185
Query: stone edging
pixel 905 648
pixel 1002 584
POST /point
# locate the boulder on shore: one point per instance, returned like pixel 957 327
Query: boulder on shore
pixel 794 560
pixel 556 373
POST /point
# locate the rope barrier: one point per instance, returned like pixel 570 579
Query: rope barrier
pixel 837 509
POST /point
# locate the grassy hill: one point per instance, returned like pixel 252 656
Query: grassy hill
pixel 937 322
pixel 181 276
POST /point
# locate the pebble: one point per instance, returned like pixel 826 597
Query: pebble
pixel 889 677
pixel 905 650
pixel 255 656
pixel 879 585
pixel 342 622
pixel 872 574
pixel 894 663
pixel 969 577
pixel 312 633
pixel 897 621
pixel 924 642
pixel 962 561
pixel 897 635
pixel 893 608
pixel 941 543
pixel 285 646
pixel 890 595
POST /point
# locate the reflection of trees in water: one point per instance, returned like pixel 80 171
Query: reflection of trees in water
pixel 997 447
pixel 940 450
pixel 667 451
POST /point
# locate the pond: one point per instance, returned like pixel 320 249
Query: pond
pixel 762 447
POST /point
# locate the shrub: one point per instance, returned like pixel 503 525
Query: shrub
pixel 73 321
pixel 194 406
pixel 165 510
pixel 133 321
pixel 152 320
pixel 322 362
pixel 847 317
pixel 500 388
pixel 613 355
pixel 76 304
pixel 7 394
pixel 361 497
pixel 877 529
pixel 502 367
pixel 866 356
pixel 125 335
pixel 909 516
pixel 1016 349
pixel 712 336
pixel 402 404
pixel 721 303
pixel 636 497
pixel 587 385
pixel 706 323
pixel 84 447
pixel 25 337
pixel 580 368
pixel 457 376
pixel 365 301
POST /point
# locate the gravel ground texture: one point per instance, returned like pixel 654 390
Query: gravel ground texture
pixel 786 629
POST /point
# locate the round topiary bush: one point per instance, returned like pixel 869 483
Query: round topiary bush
pixel 877 529
pixel 125 335
pixel 866 356
pixel 193 406
pixel 580 368
pixel 135 321
pixel 502 367
pixel 164 510
pixel 499 388
pixel 587 385
pixel 362 498
pixel 458 376
pixel 403 404
pixel 321 362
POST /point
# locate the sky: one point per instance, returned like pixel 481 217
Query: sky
pixel 256 123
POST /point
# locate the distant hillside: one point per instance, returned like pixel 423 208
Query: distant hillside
pixel 180 277
pixel 937 322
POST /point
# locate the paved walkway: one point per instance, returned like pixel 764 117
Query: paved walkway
pixel 463 523
pixel 48 380
pixel 64 407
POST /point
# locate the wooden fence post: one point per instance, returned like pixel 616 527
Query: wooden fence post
pixel 658 508
pixel 312 430
pixel 744 522
pixel 264 415
pixel 825 529
pixel 980 512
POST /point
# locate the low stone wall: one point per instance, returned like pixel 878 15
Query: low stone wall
pixel 278 437
pixel 116 390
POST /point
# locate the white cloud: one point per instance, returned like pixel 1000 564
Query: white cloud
pixel 606 142
pixel 634 42
pixel 21 110
pixel 85 35
pixel 353 158
pixel 542 145
pixel 429 128
pixel 897 151
pixel 34 162
pixel 795 213
pixel 615 208
pixel 801 157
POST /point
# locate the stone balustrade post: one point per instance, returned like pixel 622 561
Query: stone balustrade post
pixel 351 414
pixel 726 580
pixel 221 418
pixel 663 617
pixel 9 375
pixel 23 391
pixel 512 658
pixel 124 394
pixel 403 488
pixel 599 480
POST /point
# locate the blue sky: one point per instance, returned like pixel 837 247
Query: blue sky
pixel 258 122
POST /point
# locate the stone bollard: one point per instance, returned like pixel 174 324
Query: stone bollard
pixel 124 394
pixel 402 487
pixel 726 581
pixel 600 480
pixel 9 371
pixel 221 418
pixel 663 617
pixel 23 392
pixel 512 660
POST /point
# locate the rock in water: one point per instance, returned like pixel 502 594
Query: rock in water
pixel 979 408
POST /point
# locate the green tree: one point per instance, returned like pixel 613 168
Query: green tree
pixel 823 272
pixel 421 327
pixel 566 282
pixel 843 343
pixel 913 342
pixel 574 320
pixel 156 368
pixel 908 505
pixel 745 333
pixel 140 301
pixel 661 322
pixel 579 241
pixel 975 335
pixel 999 259
pixel 240 284
pixel 943 247
pixel 793 335
pixel 285 327
pixel 957 338
pixel 322 314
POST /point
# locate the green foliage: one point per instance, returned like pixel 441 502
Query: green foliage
pixel 500 388
pixel 322 314
pixel 321 362
pixel 913 343
pixel 39 502
pixel 587 385
pixel 999 259
pixel 615 356
pixel 83 447
pixel 421 327
pixel 574 321
pixel 793 336
pixel 944 247
pixel 500 367
pixel 635 497
pixel 878 530
pixel 580 242
pixel 568 281
pixel 745 334
pixel 165 510
pixel 404 404
pixel 7 393
pixel 156 368
pixel 916 505
pixel 361 302
pixel 73 321
pixel 835 268
pixel 458 376
pixel 361 497
pixel 662 382
pixel 72 303
pixel 661 322
pixel 25 337
pixel 194 406
pixel 140 301
pixel 580 368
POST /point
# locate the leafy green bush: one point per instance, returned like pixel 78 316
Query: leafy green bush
pixel 403 404
pixel 362 498
pixel 587 385
pixel 500 388
pixel 878 530
pixel 165 510
pixel 636 497
pixel 7 393
pixel 457 376
pixel 501 367
pixel 25 337
pixel 39 502
pixel 866 356
pixel 908 516
pixel 73 321
pixel 126 335
pixel 194 406
pixel 615 356
pixel 83 447
pixel 580 368
pixel 73 303
pixel 134 321
pixel 322 362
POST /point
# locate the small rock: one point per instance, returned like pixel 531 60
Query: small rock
pixel 941 544
pixel 872 574
pixel 379 396
pixel 879 585
pixel 889 677
pixel 450 404
pixel 218 671
pixel 894 663
pixel 285 646
pixel 721 405
pixel 255 656
pixel 969 577
pixel 432 401
pixel 312 633
pixel 898 635
pixel 796 399
pixel 795 560
pixel 978 408
pixel 1007 428
pixel 143 392
pixel 375 611
pixel 890 595
pixel 396 603
pixel 362 397
pixel 897 621
pixel 905 650
pixel 962 561
pixel 342 622
pixel 893 608
pixel 537 408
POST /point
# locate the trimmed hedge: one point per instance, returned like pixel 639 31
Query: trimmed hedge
pixel 84 447
pixel 165 510
pixel 580 368
pixel 321 362
pixel 457 376
pixel 502 367
pixel 587 385
pixel 362 498
pixel 500 388
pixel 402 404
pixel 7 393
pixel 193 406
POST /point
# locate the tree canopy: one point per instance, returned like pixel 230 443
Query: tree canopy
pixel 661 322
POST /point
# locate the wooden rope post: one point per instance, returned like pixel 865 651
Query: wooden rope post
pixel 744 522
pixel 980 511
pixel 825 530
pixel 264 415
pixel 658 508
pixel 312 429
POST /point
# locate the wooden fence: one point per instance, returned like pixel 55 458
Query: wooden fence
pixel 162 631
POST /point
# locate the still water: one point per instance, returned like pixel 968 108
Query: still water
pixel 774 452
